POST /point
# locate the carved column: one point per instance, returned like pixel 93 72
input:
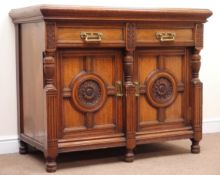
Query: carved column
pixel 51 98
pixel 197 90
pixel 128 64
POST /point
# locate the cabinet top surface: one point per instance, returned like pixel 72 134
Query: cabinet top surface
pixel 68 12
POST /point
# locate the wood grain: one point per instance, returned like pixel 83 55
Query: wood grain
pixel 32 89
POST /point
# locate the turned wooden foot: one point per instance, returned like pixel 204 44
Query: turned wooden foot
pixel 195 148
pixel 51 165
pixel 23 148
pixel 129 157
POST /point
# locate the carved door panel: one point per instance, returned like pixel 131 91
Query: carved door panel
pixel 91 93
pixel 161 81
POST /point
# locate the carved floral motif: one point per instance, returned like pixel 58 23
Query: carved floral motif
pixel 130 36
pixel 89 92
pixel 162 89
pixel 51 43
pixel 199 36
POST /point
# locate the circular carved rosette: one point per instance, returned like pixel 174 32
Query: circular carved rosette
pixel 161 88
pixel 88 92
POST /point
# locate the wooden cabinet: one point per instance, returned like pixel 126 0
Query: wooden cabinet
pixel 92 78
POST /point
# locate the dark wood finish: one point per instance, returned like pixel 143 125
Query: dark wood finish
pixel 123 86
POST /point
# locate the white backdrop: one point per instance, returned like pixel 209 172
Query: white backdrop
pixel 209 74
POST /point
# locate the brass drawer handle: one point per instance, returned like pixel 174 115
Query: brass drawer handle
pixel 165 36
pixel 118 86
pixel 91 36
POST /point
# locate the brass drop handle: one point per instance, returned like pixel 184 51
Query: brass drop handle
pixel 166 36
pixel 137 88
pixel 118 86
pixel 91 36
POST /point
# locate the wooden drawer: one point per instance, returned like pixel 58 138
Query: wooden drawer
pixel 148 36
pixel 72 35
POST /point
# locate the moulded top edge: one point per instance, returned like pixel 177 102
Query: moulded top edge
pixel 109 13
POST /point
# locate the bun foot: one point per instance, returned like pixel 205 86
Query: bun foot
pixel 23 148
pixel 129 157
pixel 195 148
pixel 51 166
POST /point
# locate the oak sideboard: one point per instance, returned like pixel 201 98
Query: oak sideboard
pixel 93 77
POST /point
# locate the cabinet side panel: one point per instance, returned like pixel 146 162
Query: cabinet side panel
pixel 32 46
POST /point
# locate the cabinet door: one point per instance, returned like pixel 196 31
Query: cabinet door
pixel 91 105
pixel 162 89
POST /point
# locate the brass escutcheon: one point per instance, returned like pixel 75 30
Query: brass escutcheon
pixel 137 88
pixel 118 86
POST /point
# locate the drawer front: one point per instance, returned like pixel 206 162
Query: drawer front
pixel 96 35
pixel 165 36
